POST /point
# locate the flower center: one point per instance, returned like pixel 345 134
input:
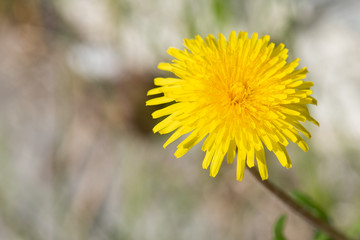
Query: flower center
pixel 238 93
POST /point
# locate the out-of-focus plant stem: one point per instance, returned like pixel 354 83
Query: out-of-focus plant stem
pixel 298 209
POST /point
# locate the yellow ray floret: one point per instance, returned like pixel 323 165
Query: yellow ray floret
pixel 240 94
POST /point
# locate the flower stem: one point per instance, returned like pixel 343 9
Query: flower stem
pixel 306 215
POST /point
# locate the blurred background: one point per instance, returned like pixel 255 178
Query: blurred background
pixel 78 159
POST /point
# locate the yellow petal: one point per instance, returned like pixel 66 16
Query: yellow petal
pixel 282 156
pixel 240 168
pixel 159 100
pixel 231 152
pixel 261 163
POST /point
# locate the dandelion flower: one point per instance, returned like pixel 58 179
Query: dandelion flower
pixel 240 94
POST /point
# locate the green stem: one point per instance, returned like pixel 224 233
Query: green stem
pixel 287 200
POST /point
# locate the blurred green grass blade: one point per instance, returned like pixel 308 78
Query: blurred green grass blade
pixel 311 205
pixel 321 236
pixel 279 228
pixel 354 229
pixel 221 10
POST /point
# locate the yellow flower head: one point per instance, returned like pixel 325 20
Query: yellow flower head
pixel 240 94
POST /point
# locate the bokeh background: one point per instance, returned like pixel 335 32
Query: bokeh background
pixel 78 159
